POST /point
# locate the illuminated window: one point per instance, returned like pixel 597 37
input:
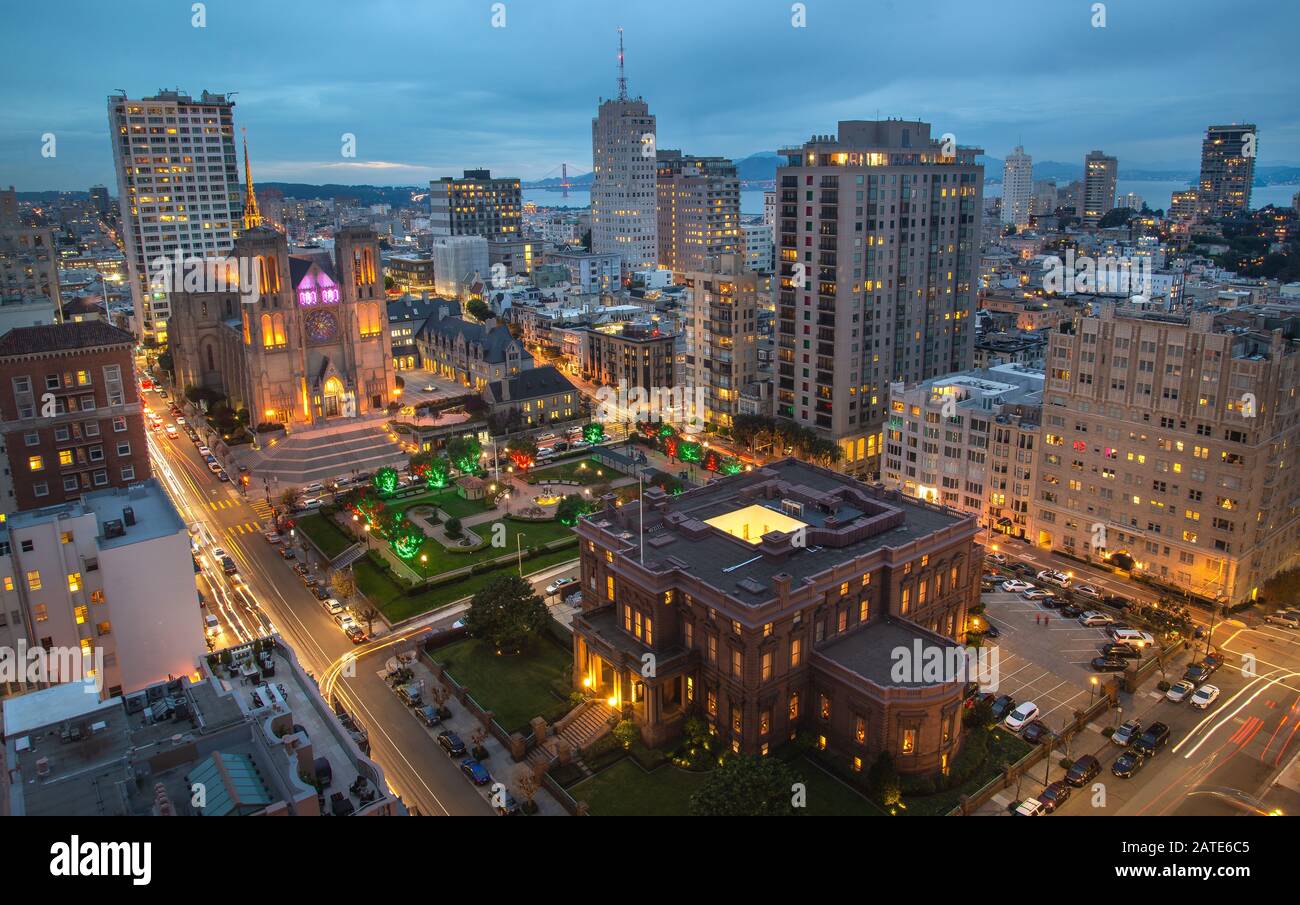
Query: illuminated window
pixel 796 647
pixel 65 537
pixel 909 741
pixel 97 596
pixel 9 582
pixel 609 587
pixel 74 581
pixel 82 613
pixel 824 707
pixel 857 764
pixel 860 730
pixel 35 463
pixel 40 613
pixel 794 705
pixel 34 580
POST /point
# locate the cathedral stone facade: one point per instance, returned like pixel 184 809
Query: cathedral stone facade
pixel 311 345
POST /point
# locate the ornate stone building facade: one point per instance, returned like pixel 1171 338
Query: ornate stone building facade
pixel 311 347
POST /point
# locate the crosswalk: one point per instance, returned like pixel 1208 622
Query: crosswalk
pixel 261 508
pixel 218 505
pixel 245 528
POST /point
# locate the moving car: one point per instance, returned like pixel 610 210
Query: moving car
pixel 212 625
pixel 1127 733
pixel 1151 741
pixel 451 743
pixel 1179 691
pixel 996 557
pixel 1092 617
pixel 1083 770
pixel 558 585
pixel 1016 719
pixel 475 772
pixel 1128 763
pixel 1108 664
pixel 204 451
pixel 170 431
pixel 273 537
pixel 1205 696
pixel 1016 586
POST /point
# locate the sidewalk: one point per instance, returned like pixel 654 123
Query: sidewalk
pixel 499 763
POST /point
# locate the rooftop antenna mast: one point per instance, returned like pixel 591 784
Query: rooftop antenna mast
pixel 622 76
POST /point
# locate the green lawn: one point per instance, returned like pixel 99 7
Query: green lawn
pixel 386 594
pixel 626 790
pixel 581 471
pixel 447 500
pixel 438 559
pixel 515 688
pixel 324 533
pixel 1004 748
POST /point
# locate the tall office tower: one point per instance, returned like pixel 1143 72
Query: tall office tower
pixel 721 334
pixel 1168 446
pixel 623 190
pixel 698 209
pixel 1227 170
pixel 476 205
pixel 1099 183
pixel 879 244
pixel 178 188
pixel 1017 188
pixel 99 199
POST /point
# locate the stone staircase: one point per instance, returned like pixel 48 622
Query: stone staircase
pixel 323 453
pixel 349 556
pixel 592 721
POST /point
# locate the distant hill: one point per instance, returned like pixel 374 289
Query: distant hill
pixel 581 181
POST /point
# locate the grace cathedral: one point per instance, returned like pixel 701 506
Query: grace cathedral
pixel 309 346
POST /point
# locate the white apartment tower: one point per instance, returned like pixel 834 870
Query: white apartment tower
pixel 1017 188
pixel 178 187
pixel 623 190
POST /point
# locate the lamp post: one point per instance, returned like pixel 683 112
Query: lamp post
pixel 519 552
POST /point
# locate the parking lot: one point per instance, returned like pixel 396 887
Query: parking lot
pixel 1044 661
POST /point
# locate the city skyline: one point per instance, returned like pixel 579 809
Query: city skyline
pixel 427 118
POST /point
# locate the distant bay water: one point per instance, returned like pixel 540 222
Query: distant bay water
pixel 1154 193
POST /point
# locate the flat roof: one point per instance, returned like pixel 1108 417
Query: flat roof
pixel 53 705
pixel 871 652
pixel 752 522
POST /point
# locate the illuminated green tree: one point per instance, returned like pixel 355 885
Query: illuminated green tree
pixel 386 481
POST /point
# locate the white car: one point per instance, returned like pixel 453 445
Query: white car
pixel 204 451
pixel 310 503
pixel 996 557
pixel 180 419
pixel 1016 586
pixel 1024 713
pixel 1031 807
pixel 558 585
pixel 1284 618
pixel 1205 696
pixel 1054 577
pixel 333 606
pixel 1095 618
pixel 1088 590
pixel 1037 594
pixel 273 538
pixel 1179 691
pixel 345 621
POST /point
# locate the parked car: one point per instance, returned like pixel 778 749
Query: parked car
pixel 1284 618
pixel 1070 611
pixel 204 451
pixel 1128 763
pixel 1199 672
pixel 508 806
pixel 287 553
pixel 1003 706
pixel 1021 568
pixel 334 607
pixel 320 593
pixel 1092 617
pixel 1083 770
pixel 1151 741
pixel 1055 795
pixel 475 772
pixel 345 620
pixel 356 634
pixel 1031 807
pixel 992 631
pixel 1016 719
pixel 1205 696
pixel 1120 651
pixel 1036 732
pixel 996 557
pixel 1051 576
pixel 1179 691
pixel 1016 586
pixel 1108 664
pixel 558 585
pixel 1037 594
pixel 428 715
pixel 1088 590
pixel 273 537
pixel 1127 733
pixel 410 694
pixel 451 743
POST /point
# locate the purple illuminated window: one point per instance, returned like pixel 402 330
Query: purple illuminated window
pixel 307 295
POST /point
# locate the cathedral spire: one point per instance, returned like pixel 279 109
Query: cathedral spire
pixel 252 217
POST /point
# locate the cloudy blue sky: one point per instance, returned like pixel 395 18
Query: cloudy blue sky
pixel 430 87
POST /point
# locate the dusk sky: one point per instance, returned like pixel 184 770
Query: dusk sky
pixel 431 88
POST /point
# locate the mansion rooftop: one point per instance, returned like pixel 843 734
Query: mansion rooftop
pixel 767 533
